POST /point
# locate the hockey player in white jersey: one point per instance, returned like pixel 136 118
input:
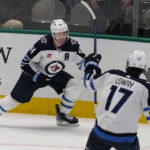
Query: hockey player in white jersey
pixel 43 66
pixel 123 97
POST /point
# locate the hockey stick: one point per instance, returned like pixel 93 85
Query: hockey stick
pixel 95 44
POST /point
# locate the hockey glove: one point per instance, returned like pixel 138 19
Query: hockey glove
pixel 41 79
pixel 91 65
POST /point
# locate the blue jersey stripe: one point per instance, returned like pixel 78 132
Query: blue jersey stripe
pixel 147 109
pixel 111 138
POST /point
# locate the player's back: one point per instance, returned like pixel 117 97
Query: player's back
pixel 121 101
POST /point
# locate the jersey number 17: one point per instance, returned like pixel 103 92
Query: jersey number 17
pixel 126 94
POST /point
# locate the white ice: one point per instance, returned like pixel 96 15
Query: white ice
pixel 39 132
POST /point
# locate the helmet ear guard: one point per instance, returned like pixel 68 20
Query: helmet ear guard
pixel 137 59
pixel 58 25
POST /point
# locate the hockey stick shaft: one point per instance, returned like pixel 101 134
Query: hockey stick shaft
pixel 95 51
pixel 95 44
pixel 95 38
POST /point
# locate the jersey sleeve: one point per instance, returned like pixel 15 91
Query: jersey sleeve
pixel 80 59
pixel 146 104
pixel 95 82
pixel 32 56
pixel 79 55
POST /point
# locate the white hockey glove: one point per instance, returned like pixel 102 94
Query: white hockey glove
pixel 41 79
pixel 91 65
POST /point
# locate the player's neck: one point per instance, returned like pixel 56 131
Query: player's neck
pixel 57 45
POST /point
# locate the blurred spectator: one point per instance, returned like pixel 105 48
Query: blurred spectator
pixel 123 24
pixel 144 29
pixel 107 11
pixel 12 13
pixel 146 18
pixel 68 4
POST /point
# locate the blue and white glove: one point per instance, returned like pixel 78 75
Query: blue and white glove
pixel 41 79
pixel 91 65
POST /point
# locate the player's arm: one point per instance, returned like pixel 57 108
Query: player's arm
pixel 145 101
pixel 30 55
pixel 79 55
pixel 147 113
pixel 33 55
pixel 146 109
pixel 80 59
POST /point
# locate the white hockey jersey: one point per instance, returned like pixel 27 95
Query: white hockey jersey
pixel 44 57
pixel 122 99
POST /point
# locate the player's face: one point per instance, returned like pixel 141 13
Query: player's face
pixel 60 37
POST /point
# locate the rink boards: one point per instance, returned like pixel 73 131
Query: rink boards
pixel 84 109
pixel 114 50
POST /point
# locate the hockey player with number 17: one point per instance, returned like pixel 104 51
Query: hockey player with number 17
pixel 123 97
pixel 43 66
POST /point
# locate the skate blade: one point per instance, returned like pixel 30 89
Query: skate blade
pixel 66 124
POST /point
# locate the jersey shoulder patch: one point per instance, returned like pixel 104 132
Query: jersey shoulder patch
pixel 44 40
pixel 44 43
pixel 73 42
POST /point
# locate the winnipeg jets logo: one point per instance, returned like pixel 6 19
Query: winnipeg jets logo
pixel 73 41
pixel 54 67
pixel 44 40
